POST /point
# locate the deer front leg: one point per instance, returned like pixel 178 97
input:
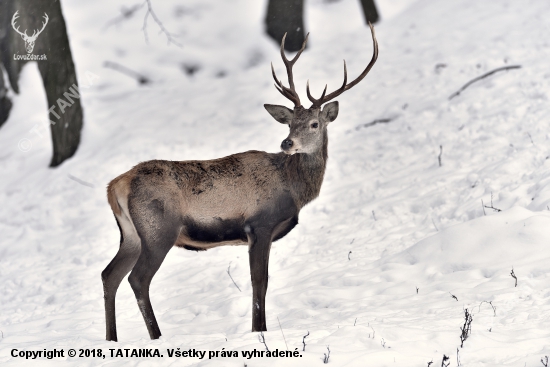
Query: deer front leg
pixel 258 252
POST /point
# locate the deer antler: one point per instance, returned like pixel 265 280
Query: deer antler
pixel 13 19
pixel 289 93
pixel 345 86
pixel 24 34
pixel 34 34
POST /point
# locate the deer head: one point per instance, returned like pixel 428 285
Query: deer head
pixel 29 40
pixel 308 126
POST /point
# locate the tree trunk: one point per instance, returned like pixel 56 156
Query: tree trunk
pixel 57 70
pixel 369 11
pixel 5 103
pixel 286 16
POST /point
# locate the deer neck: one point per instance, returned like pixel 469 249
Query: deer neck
pixel 305 172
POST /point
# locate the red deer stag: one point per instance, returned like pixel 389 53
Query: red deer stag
pixel 251 198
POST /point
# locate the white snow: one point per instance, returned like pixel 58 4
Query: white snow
pixel 371 269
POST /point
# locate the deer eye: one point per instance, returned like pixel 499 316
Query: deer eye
pixel 315 125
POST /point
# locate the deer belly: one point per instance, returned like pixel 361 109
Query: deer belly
pixel 211 232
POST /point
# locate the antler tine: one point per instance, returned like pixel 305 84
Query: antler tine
pixel 46 19
pixel 346 86
pixel 286 92
pixel 315 101
pixel 290 63
pixel 13 19
pixel 289 93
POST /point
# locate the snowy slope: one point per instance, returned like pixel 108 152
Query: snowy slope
pixel 416 231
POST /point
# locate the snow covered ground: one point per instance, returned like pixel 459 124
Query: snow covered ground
pixel 372 268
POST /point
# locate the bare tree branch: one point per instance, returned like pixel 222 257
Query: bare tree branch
pixel 282 332
pixel 141 79
pixel 169 36
pixel 482 77
pixel 232 277
pixel 304 341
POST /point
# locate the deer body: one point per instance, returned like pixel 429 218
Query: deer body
pixel 251 198
pixel 215 200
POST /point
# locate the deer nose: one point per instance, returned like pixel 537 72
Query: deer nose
pixel 286 144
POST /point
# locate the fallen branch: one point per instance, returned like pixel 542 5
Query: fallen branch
pixel 304 341
pixel 544 361
pixel 82 182
pixel 514 276
pixel 377 121
pixel 482 77
pixel 261 338
pixel 452 295
pixel 445 359
pixel 125 13
pixel 141 79
pixel 492 207
pixel 232 277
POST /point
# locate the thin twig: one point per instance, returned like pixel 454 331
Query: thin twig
pixel 491 303
pixel 530 137
pixel 282 332
pixel 141 79
pixel 82 182
pixel 125 13
pixel 452 295
pixel 466 329
pixel 440 154
pixel 327 356
pixel 349 253
pixel 457 358
pixel 232 277
pixel 483 207
pixel 374 122
pixel 482 77
pixel 514 276
pixel 261 338
pixel 304 341
pixel 437 229
pixel 445 359
pixel 169 35
pixel 374 215
pixel 492 207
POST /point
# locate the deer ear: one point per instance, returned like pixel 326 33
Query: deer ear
pixel 330 112
pixel 280 113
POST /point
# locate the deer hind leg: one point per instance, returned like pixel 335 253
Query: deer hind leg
pixel 158 235
pixel 258 253
pixel 117 269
